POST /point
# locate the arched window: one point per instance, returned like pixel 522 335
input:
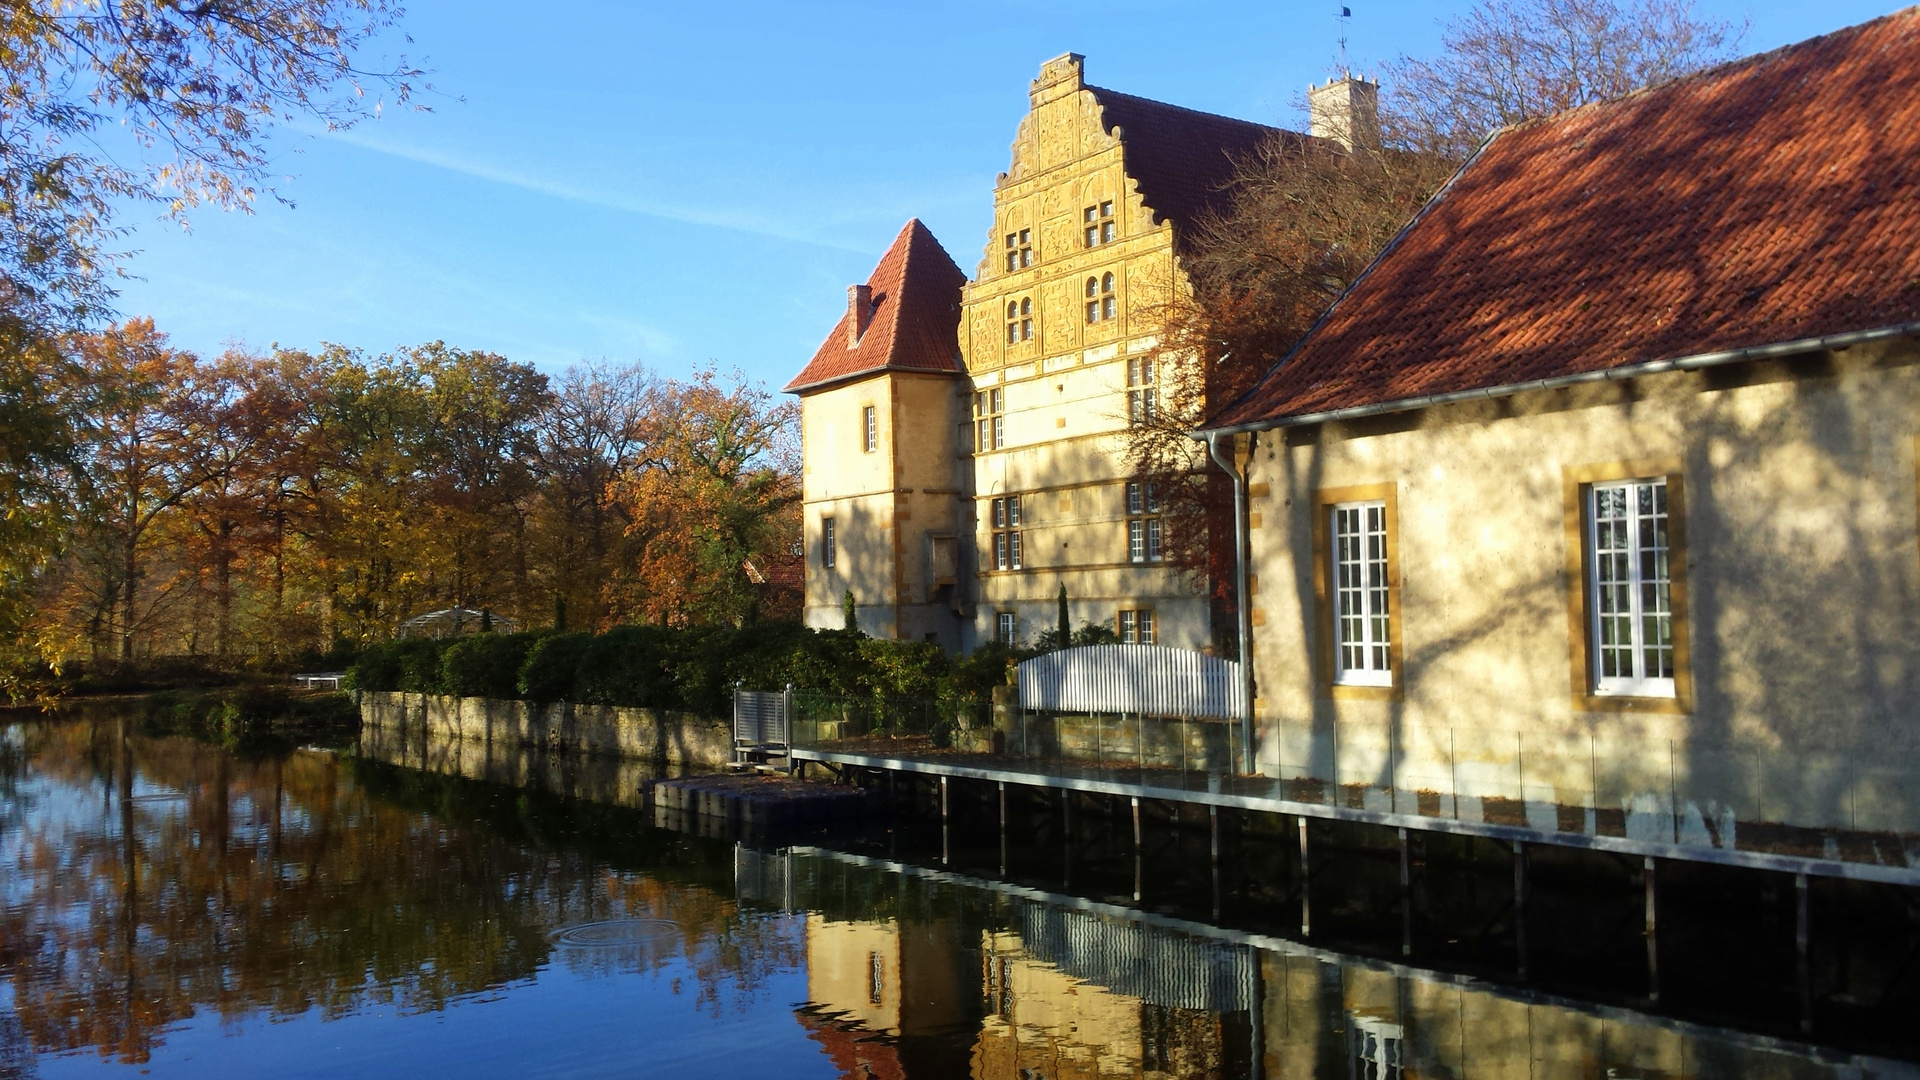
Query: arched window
pixel 1020 320
pixel 1100 306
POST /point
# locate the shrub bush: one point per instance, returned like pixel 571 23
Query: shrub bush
pixel 410 664
pixel 695 669
pixel 551 665
pixel 485 665
pixel 626 666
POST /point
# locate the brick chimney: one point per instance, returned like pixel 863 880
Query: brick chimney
pixel 859 312
pixel 1346 110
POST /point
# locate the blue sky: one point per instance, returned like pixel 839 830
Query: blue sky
pixel 684 183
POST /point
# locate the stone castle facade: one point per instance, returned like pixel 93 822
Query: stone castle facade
pixel 964 438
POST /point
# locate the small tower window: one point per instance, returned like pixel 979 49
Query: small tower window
pixel 1019 250
pixel 1100 301
pixel 1020 320
pixel 869 429
pixel 1099 223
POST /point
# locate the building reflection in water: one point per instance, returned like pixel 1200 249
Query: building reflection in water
pixel 147 880
pixel 1066 989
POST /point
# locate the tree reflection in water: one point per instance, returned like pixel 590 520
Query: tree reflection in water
pixel 149 879
pixel 145 881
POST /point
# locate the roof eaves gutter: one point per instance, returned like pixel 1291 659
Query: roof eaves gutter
pixel 865 373
pixel 1617 374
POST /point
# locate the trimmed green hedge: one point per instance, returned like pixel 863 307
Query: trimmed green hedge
pixel 694 669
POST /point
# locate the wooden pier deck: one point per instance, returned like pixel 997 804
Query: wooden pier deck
pixel 1837 853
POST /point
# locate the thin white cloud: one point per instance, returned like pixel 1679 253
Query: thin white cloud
pixel 737 222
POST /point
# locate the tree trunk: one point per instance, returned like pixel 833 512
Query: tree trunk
pixel 127 589
pixel 223 580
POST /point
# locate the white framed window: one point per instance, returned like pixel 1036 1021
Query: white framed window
pixel 1005 520
pixel 1020 320
pixel 869 429
pixel 1630 583
pixel 990 421
pixel 1362 626
pixel 1098 223
pixel 1135 626
pixel 1144 529
pixel 829 548
pixel 1142 395
pixel 1100 301
pixel 1019 250
pixel 1007 628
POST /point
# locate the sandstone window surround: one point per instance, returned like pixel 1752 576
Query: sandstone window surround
pixel 1099 224
pixel 1627 587
pixel 1361 606
pixel 1019 250
pixel 1100 299
pixel 869 429
pixel 1144 537
pixel 829 545
pixel 1135 626
pixel 990 421
pixel 1005 519
pixel 1143 398
pixel 1020 320
pixel 1356 592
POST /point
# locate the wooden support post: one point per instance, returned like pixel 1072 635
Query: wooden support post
pixel 1213 825
pixel 1406 896
pixel 1653 940
pixel 945 850
pixel 1520 908
pixel 1136 823
pixel 1003 828
pixel 1306 884
pixel 1066 838
pixel 1803 951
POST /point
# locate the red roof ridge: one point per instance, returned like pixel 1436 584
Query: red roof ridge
pixel 1098 91
pixel 1761 202
pixel 914 320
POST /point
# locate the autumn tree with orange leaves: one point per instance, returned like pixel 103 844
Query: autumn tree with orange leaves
pixel 717 488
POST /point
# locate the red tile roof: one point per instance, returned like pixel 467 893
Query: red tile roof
pixel 1181 159
pixel 859 1054
pixel 916 318
pixel 1771 200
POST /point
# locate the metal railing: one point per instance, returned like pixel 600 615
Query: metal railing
pixel 762 723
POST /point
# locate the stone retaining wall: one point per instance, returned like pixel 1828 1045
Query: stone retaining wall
pixel 405 726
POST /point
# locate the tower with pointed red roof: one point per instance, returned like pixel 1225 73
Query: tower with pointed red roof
pixel 881 406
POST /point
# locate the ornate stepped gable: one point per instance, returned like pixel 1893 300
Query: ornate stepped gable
pixel 914 313
pixel 1765 201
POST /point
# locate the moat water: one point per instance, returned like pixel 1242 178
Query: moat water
pixel 172 908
